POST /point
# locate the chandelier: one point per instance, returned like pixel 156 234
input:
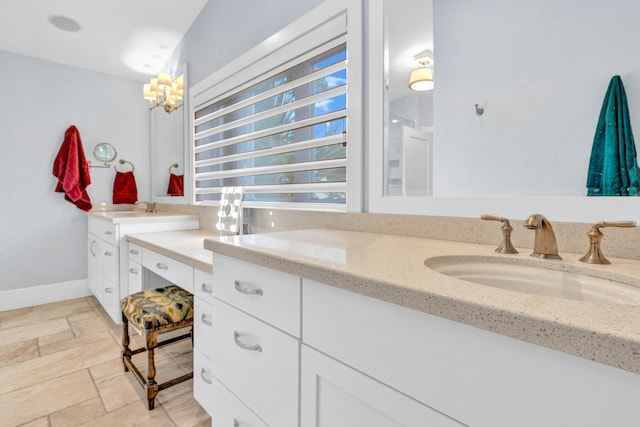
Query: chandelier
pixel 162 92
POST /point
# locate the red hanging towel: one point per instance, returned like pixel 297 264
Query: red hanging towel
pixel 176 185
pixel 72 170
pixel 124 188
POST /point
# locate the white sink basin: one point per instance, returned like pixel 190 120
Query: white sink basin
pixel 533 278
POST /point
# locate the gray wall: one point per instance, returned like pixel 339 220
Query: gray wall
pixel 43 238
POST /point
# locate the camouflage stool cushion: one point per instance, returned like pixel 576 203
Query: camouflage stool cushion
pixel 156 308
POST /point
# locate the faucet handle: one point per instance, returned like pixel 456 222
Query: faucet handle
pixel 594 254
pixel 505 246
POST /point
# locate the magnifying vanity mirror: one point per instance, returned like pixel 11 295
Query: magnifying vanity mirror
pixel 169 136
pixel 104 152
pixel 511 119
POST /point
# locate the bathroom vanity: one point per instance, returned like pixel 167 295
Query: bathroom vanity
pixel 107 270
pixel 339 328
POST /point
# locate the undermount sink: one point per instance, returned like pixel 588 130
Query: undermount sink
pixel 534 278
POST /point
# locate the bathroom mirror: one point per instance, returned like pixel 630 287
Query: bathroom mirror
pixel 169 131
pixel 104 152
pixel 527 146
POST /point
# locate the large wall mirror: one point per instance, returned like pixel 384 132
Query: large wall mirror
pixel 538 71
pixel 169 136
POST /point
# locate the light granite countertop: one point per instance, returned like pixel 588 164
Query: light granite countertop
pixel 132 216
pixel 392 268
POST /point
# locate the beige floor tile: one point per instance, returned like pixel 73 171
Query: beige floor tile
pixel 60 336
pixel 18 352
pixel 40 422
pixel 106 369
pixel 126 416
pixel 35 330
pixel 74 342
pixel 185 411
pixel 50 311
pixel 31 403
pixel 81 316
pixel 43 368
pixel 89 326
pixel 158 421
pixel 78 414
pixel 18 313
pixel 117 391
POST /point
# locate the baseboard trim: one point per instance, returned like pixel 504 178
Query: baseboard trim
pixel 43 294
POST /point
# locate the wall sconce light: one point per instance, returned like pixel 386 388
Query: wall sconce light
pixel 162 92
pixel 421 78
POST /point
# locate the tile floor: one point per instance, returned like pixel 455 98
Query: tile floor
pixel 60 366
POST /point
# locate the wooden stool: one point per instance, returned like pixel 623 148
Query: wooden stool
pixel 153 312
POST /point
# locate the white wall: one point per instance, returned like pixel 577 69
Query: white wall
pixel 226 29
pixel 43 237
pixel 540 69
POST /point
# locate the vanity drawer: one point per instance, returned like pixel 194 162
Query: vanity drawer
pixel 203 285
pixel 203 325
pixel 111 257
pixel 270 295
pixel 265 378
pixel 224 408
pixel 168 268
pixel 135 277
pixel 135 253
pixel 105 230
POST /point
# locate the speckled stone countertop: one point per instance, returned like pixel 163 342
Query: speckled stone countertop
pixel 392 268
pixel 132 217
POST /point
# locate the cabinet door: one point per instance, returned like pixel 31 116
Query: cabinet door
pixel 94 266
pixel 335 395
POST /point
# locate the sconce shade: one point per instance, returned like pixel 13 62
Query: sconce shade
pixel 421 79
pixel 164 81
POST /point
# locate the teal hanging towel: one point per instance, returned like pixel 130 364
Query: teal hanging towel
pixel 613 168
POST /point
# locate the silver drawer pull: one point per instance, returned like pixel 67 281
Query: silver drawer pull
pixel 236 423
pixel 108 290
pixel 162 266
pixel 205 321
pixel 107 253
pixel 204 377
pixel 247 291
pixel 206 288
pixel 133 252
pixel 133 270
pixel 108 233
pixel 236 338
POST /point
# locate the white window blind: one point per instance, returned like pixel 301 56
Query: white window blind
pixel 282 133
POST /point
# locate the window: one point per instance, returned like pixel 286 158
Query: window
pixel 280 126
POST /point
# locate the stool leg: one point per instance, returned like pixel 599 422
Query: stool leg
pixel 126 351
pixel 152 385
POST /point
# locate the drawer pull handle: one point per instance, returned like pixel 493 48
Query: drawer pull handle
pixel 204 377
pixel 107 253
pixel 133 252
pixel 205 321
pixel 206 288
pixel 236 338
pixel 108 290
pixel 236 423
pixel 91 248
pixel 108 233
pixel 247 291
pixel 162 266
pixel 133 270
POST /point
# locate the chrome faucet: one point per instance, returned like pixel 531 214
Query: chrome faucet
pixel 147 206
pixel 545 245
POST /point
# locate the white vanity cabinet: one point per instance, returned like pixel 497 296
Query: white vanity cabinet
pixel 111 264
pixel 251 343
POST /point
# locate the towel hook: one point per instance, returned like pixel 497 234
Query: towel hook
pixel 173 166
pixel 122 162
pixel 479 110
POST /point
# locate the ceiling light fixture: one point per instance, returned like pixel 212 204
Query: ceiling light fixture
pixel 162 92
pixel 421 78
